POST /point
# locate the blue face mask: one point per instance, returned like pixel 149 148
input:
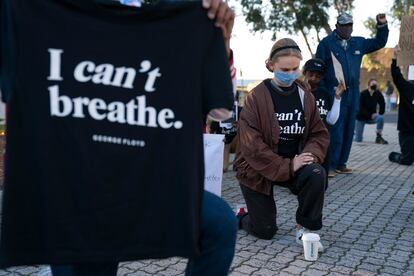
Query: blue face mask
pixel 285 78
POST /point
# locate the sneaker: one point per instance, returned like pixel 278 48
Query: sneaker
pixel 380 140
pixel 45 272
pixel 344 170
pixel 299 234
pixel 240 214
pixel 331 174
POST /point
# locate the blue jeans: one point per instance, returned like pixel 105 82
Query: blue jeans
pixel 217 242
pixel 359 126
pixel 387 103
pixel 342 134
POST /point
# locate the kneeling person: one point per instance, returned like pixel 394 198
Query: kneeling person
pixel 368 114
pixel 283 142
pixel 405 115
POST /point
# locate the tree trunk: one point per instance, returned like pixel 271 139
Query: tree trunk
pixel 301 27
pixel 324 25
pixel 327 29
pixel 307 41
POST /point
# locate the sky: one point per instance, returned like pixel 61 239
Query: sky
pixel 251 50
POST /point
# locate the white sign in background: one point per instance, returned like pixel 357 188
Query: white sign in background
pixel 411 72
pixel 213 162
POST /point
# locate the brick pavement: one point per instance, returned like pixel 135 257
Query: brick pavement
pixel 368 224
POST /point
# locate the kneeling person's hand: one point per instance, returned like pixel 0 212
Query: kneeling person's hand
pixel 303 159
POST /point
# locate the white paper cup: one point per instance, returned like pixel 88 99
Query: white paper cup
pixel 310 246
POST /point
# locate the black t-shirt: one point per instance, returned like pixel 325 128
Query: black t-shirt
pixel 323 102
pixel 290 115
pixel 368 105
pixel 104 140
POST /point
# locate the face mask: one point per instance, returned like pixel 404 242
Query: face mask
pixel 373 87
pixel 285 78
pixel 344 31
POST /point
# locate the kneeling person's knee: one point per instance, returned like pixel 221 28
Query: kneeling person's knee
pixel 317 176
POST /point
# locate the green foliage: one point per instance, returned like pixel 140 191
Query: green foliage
pixel 400 8
pixel 289 15
pixel 292 16
pixel 378 62
pixel 371 25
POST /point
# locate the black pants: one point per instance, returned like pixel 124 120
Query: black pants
pixel 326 166
pixel 407 148
pixel 308 185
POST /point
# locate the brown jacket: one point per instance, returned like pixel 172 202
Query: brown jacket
pixel 257 162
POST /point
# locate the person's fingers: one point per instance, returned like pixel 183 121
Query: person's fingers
pixel 308 159
pixel 396 48
pixel 212 11
pixel 221 12
pixel 229 22
pixel 304 160
pixel 309 155
pixel 206 4
pixel 305 154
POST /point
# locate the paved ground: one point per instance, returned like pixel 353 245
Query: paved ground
pixel 368 218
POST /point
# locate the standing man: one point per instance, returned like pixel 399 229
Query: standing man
pixel 370 99
pixel 348 51
pixel 405 115
pixel 389 90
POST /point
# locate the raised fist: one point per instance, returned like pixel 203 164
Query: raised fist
pixel 381 19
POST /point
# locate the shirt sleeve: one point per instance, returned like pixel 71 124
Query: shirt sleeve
pixel 372 44
pixel 216 79
pixel 399 81
pixel 333 114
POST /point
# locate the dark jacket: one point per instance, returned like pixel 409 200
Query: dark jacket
pixel 257 162
pixel 406 107
pixel 368 105
pixel 350 60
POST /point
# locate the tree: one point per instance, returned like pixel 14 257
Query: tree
pixel 293 16
pixel 344 5
pixel 401 8
pixel 371 25
pixel 378 63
